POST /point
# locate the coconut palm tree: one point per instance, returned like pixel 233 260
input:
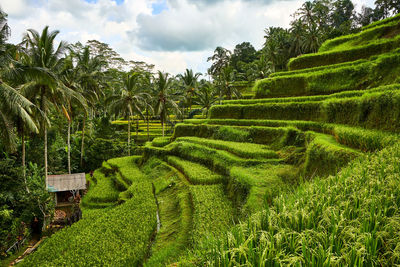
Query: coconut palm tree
pixel 14 108
pixel 220 60
pixel 69 77
pixel 90 80
pixel 128 101
pixel 147 86
pixel 189 81
pixel 206 97
pixel 41 63
pixel 164 100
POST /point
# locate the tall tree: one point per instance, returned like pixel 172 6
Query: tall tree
pixel 220 60
pixel 206 97
pixel 41 64
pixel 13 106
pixel 70 78
pixel 164 100
pixel 189 80
pixel 90 78
pixel 128 102
pixel 386 8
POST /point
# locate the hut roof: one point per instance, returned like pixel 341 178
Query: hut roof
pixel 66 182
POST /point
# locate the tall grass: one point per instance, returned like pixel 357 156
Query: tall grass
pixel 350 219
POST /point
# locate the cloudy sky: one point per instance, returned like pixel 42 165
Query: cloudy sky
pixel 172 34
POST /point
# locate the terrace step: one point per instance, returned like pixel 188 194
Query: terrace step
pixel 373 111
pixel 101 193
pixel 240 149
pixel 314 98
pixel 175 211
pixel 354 137
pixel 352 47
pixel 213 212
pixel 195 173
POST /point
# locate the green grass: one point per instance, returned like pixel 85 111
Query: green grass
pixel 103 192
pixel 369 42
pixel 361 75
pixel 175 211
pixel 213 213
pixel 324 156
pixel 244 150
pixel 161 141
pixel 261 183
pixel 176 218
pixel 350 219
pixel 372 110
pixel 366 36
pixel 274 136
pixel 118 237
pixel 355 137
pixel 195 173
pixel 344 94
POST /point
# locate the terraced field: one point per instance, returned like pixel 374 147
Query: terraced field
pixel 307 175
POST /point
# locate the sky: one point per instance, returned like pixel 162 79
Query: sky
pixel 172 34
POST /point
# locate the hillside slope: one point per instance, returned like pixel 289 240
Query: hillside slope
pixel 280 163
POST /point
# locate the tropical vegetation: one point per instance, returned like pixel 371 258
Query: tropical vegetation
pixel 287 155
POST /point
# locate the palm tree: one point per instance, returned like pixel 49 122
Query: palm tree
pixel 306 12
pixel 13 106
pixel 90 79
pixel 41 63
pixel 206 97
pixel 227 79
pixel 220 60
pixel 69 77
pixel 164 99
pixel 146 84
pixel 189 81
pixel 297 31
pixel 4 32
pixel 128 101
pixel 312 40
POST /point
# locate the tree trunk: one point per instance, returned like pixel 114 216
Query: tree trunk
pixel 137 128
pixel 148 131
pixel 43 107
pixel 129 135
pixel 45 152
pixel 23 159
pixel 162 125
pixel 83 139
pixel 69 146
pixel 23 153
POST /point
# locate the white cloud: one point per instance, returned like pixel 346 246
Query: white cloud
pixel 182 36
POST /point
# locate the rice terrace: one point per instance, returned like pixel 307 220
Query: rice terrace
pixel 153 133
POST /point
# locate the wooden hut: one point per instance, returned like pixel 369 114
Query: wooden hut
pixel 65 187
